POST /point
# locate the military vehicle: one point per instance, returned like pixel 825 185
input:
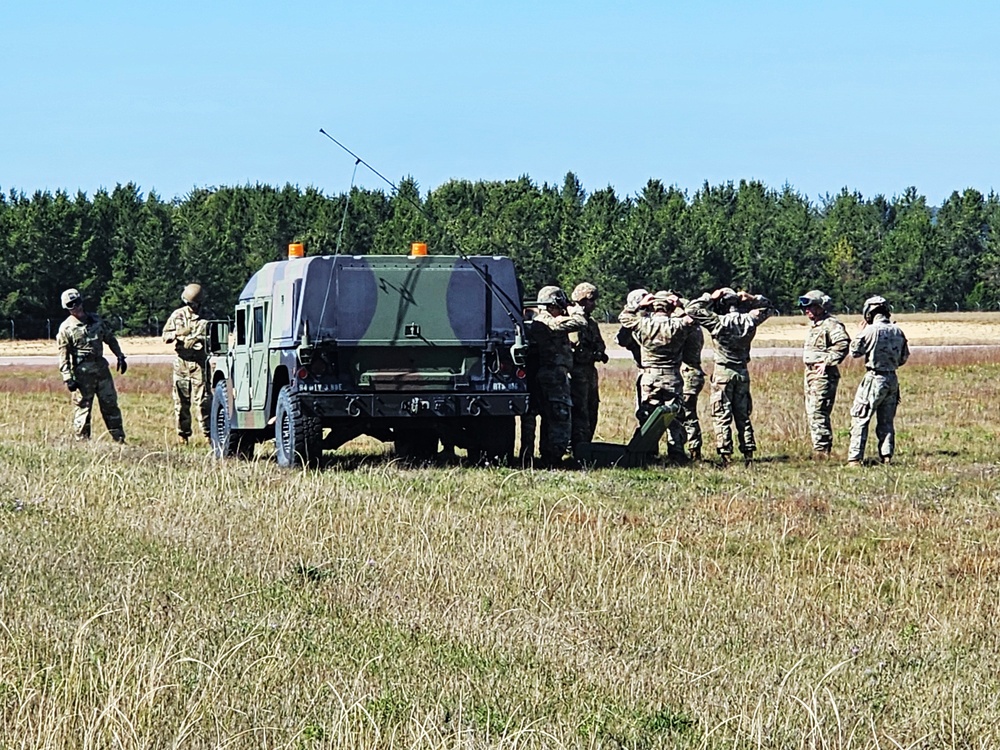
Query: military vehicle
pixel 415 349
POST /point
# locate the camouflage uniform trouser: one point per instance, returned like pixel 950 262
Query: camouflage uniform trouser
pixel 820 386
pixel 586 403
pixel 877 396
pixel 555 407
pixel 662 386
pixel 694 381
pixel 731 402
pixel 94 379
pixel 191 391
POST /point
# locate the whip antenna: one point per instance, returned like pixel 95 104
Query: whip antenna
pixel 343 219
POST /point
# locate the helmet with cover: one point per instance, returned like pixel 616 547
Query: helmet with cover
pixel 585 290
pixel 875 305
pixel 71 298
pixel 552 295
pixel 192 294
pixel 816 298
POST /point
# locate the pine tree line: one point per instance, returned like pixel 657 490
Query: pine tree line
pixel 131 254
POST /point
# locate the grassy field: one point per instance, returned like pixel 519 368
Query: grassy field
pixel 151 597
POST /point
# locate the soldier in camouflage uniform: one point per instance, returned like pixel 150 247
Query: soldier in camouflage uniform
pixel 826 346
pixel 625 338
pixel 693 377
pixel 554 320
pixel 85 372
pixel 661 336
pixel 731 319
pixel 188 332
pixel 588 350
pixel 883 345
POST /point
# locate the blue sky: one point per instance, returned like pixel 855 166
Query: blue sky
pixel 874 96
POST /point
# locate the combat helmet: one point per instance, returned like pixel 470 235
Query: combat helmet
pixel 727 300
pixel 70 299
pixel 192 294
pixel 585 290
pixel 552 295
pixel 634 298
pixel 816 297
pixel 875 305
pixel 663 301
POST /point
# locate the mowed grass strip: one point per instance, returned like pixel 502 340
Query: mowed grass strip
pixel 153 597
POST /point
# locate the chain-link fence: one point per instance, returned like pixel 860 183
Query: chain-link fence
pixel 30 329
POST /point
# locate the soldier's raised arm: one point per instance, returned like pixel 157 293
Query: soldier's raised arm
pixel 700 310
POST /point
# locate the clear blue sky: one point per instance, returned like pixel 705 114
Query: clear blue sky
pixel 874 96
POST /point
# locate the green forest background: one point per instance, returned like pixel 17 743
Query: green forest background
pixel 131 254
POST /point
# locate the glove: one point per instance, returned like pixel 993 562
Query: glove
pixel 72 385
pixel 603 357
pixel 122 365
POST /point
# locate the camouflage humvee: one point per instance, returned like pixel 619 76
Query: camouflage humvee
pixel 412 349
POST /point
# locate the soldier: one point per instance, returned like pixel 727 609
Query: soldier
pixel 554 320
pixel 85 372
pixel 883 345
pixel 826 346
pixel 626 339
pixel 693 377
pixel 661 336
pixel 732 319
pixel 188 332
pixel 588 350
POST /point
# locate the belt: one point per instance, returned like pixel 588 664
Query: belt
pixel 882 372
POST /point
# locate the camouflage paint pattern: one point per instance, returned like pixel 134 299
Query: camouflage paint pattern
pixel 826 346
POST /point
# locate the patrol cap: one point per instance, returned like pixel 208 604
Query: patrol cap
pixel 71 298
pixel 584 290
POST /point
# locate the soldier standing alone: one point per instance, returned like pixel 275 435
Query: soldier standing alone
pixel 188 332
pixel 883 345
pixel 826 346
pixel 588 350
pixel 85 372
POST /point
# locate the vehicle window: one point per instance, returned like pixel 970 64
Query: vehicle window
pixel 241 326
pixel 258 325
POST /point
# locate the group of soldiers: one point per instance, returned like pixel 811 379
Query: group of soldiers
pixel 663 332
pixel 86 374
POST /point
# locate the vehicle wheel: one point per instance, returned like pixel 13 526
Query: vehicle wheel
pixel 226 442
pixel 491 441
pixel 298 436
pixel 416 445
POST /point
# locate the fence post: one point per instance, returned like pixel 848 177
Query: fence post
pixel 48 328
pixel 11 329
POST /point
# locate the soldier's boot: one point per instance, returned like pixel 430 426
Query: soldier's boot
pixel 822 455
pixel 747 458
pixel 182 440
pixel 886 459
pixel 696 454
pixel 725 458
pixel 854 463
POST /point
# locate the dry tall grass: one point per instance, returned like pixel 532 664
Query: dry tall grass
pixel 152 597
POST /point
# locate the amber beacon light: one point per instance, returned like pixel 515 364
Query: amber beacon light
pixel 418 248
pixel 296 250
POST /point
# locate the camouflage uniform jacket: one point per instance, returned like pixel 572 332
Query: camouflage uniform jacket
pixel 188 332
pixel 589 347
pixel 733 332
pixel 81 342
pixel 691 353
pixel 662 337
pixel 882 344
pixel 550 336
pixel 827 343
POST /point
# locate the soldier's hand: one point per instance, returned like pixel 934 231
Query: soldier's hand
pixel 603 357
pixel 183 331
pixel 745 296
pixel 72 385
pixel 122 365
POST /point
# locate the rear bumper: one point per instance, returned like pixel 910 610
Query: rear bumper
pixel 414 405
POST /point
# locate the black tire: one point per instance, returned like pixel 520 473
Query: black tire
pixel 226 442
pixel 491 441
pixel 298 436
